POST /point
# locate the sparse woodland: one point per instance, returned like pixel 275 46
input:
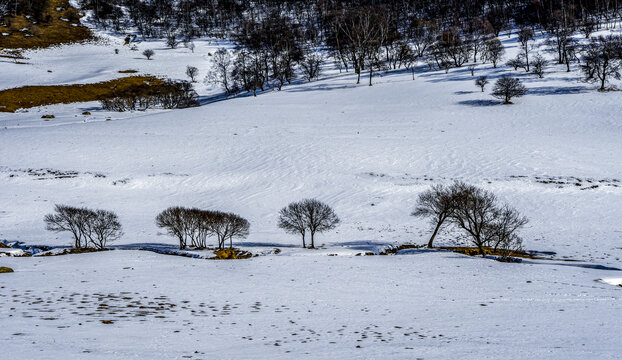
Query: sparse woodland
pixel 278 41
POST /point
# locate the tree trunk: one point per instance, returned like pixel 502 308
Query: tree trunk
pixel 304 245
pixel 312 241
pixel 438 226
pixel 370 74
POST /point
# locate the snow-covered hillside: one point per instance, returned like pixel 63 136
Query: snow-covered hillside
pixel 367 151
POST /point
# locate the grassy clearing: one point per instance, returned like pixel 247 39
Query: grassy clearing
pixel 61 25
pixel 31 96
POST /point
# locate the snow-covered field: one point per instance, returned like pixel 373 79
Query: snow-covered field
pixel 368 151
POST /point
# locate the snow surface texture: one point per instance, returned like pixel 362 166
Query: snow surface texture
pixel 368 151
pixel 426 305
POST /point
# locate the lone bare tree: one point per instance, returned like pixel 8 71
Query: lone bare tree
pixel 437 204
pixel 482 81
pixel 148 54
pixel 192 72
pixel 506 88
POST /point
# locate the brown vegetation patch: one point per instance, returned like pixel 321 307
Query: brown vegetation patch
pixel 4 269
pixel 60 24
pixel 4 246
pixel 31 96
pixel 128 71
pixel 231 254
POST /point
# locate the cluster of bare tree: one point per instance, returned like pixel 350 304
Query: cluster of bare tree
pixel 168 95
pixel 89 227
pixel 307 215
pixel 362 35
pixel 267 55
pixel 476 212
pixel 195 226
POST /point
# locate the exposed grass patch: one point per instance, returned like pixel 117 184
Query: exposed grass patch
pixel 31 96
pixel 4 269
pixel 60 25
pixel 231 254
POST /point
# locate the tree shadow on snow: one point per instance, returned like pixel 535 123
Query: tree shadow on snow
pixel 267 244
pixel 479 102
pixel 554 90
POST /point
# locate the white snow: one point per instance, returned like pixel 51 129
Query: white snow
pixel 368 151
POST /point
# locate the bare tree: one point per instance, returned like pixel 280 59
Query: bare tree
pixel 171 40
pixel 101 227
pixel 319 217
pixel 506 88
pixel 191 46
pixel 192 72
pixel 292 220
pixel 97 227
pixel 71 219
pixel 238 227
pixel 516 63
pixel 475 210
pixel 525 35
pixel 503 230
pixel 603 59
pixel 482 81
pixel 174 220
pixel 220 70
pixel 538 64
pixel 472 69
pixel 311 65
pixel 437 204
pixel 494 51
pixel 148 53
